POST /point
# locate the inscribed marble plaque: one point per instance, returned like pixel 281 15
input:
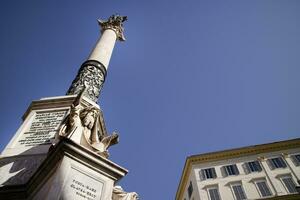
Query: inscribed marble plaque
pixel 42 128
pixel 81 186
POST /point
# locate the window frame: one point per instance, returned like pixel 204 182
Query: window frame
pixel 272 165
pixel 253 166
pixel 233 193
pixel 190 190
pixel 211 188
pixel 203 175
pixel 225 168
pixel 295 159
pixel 284 185
pixel 258 189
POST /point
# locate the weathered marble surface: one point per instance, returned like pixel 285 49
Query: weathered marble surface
pixel 78 173
pixel 75 180
pixel 85 126
pixel 120 194
pixel 18 170
pixel 69 172
pixel 41 123
pixel 30 145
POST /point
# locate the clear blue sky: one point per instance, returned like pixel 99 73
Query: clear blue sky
pixel 192 77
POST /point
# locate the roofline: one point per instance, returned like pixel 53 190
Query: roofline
pixel 231 153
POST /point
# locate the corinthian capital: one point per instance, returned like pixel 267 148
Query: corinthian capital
pixel 115 23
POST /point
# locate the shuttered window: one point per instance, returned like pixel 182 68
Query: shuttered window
pixel 275 163
pixel 263 188
pixel 238 192
pixel 296 159
pixel 289 184
pixel 253 166
pixel 190 190
pixel 230 170
pixel 214 194
pixel 209 173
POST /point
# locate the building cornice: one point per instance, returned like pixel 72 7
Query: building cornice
pixel 228 154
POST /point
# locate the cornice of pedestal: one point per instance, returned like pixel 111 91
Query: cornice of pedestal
pixel 57 102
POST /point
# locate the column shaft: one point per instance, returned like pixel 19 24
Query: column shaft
pixel 104 47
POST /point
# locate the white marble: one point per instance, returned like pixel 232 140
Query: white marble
pixel 90 177
pixel 37 132
pixel 31 142
pixel 104 47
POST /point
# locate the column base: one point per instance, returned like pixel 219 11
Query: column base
pixel 69 172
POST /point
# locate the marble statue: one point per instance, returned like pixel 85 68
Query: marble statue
pixel 114 22
pixel 120 194
pixel 83 126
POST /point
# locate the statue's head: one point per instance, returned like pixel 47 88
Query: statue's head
pixel 88 116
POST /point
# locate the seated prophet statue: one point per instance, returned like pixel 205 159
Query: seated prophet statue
pixel 84 126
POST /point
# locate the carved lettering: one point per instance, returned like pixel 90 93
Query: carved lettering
pixel 82 190
pixel 42 129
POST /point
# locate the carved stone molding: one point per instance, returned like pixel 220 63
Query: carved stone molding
pixel 85 127
pixel 285 155
pixel 90 78
pixel 261 158
pixel 115 23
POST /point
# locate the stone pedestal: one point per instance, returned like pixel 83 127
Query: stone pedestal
pixel 29 170
pixel 30 144
pixel 69 172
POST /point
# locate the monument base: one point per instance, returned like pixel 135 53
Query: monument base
pixel 69 172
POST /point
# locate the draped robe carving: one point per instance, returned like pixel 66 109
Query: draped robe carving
pixel 120 194
pixel 84 126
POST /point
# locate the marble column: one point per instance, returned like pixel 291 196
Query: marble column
pixel 92 73
pixel 104 47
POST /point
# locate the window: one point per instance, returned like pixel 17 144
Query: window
pixel 263 188
pixel 296 159
pixel 214 193
pixel 209 173
pixel 289 184
pixel 253 166
pixel 238 191
pixel 190 189
pixel 275 163
pixel 230 170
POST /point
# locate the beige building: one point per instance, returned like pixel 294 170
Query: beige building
pixel 267 171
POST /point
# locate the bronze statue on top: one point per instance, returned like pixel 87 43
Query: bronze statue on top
pixel 114 22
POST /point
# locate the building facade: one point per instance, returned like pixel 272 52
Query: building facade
pixel 267 171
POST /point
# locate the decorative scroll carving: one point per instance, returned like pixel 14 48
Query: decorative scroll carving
pixel 85 126
pixel 91 76
pixel 120 194
pixel 114 22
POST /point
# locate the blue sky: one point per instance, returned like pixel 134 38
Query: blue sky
pixel 192 77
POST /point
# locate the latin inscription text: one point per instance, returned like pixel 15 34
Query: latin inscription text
pixel 83 190
pixel 42 128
